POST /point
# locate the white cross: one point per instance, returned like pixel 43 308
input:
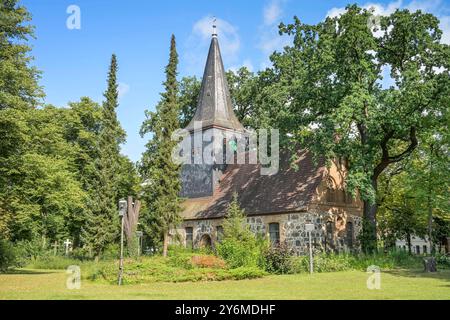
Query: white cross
pixel 67 243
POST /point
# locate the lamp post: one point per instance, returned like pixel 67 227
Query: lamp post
pixel 310 227
pixel 122 212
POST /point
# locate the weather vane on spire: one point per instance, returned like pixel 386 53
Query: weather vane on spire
pixel 214 34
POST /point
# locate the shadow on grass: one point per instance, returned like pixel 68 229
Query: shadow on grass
pixel 27 271
pixel 441 274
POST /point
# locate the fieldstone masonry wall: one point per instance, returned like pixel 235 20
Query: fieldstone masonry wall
pixel 292 230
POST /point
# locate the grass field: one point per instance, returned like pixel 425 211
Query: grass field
pixel 401 284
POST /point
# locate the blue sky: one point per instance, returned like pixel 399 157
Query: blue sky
pixel 75 61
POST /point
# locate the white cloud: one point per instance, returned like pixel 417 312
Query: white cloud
pixel 272 12
pixel 200 38
pixel 436 7
pixel 445 27
pixel 379 9
pixel 123 89
pixel 428 5
pixel 269 38
pixel 246 63
pixel 335 12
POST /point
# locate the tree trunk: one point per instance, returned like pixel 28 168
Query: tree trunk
pixel 370 223
pixel 408 241
pixel 429 202
pixel 430 225
pixel 165 243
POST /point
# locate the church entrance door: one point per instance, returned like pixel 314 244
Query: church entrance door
pixel 205 241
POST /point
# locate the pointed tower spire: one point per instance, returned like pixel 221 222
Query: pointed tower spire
pixel 214 108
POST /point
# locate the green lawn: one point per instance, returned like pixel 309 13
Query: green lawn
pixel 41 284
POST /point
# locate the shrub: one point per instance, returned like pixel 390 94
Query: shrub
pixel 240 253
pixel 240 247
pixel 324 262
pixel 53 262
pixel 27 250
pixel 7 256
pixel 111 252
pixel 443 261
pixel 207 262
pixel 246 273
pixel 277 259
pixel 159 269
pixel 180 260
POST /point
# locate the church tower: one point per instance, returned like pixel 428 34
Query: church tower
pixel 211 131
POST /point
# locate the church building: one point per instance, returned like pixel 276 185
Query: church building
pixel 276 205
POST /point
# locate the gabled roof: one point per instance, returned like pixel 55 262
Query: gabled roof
pixel 214 106
pixel 287 191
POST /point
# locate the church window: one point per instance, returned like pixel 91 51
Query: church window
pixel 418 249
pixel 425 249
pixel 329 234
pixel 219 230
pixel 349 234
pixel 274 233
pixel 331 195
pixel 189 237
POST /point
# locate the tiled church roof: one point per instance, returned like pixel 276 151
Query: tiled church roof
pixel 287 191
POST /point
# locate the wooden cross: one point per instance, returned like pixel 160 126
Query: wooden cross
pixel 55 248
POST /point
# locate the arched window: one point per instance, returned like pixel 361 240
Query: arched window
pixel 328 235
pixel 349 234
pixel 331 194
pixel 189 237
pixel 274 233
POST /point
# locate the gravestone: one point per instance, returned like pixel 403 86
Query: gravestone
pixel 429 264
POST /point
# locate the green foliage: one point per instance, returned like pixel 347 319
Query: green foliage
pixel 161 173
pixel 414 199
pixel 102 221
pixel 343 262
pixel 443 261
pixel 239 247
pixel 330 98
pixel 160 269
pixel 19 87
pixel 7 255
pixel 188 98
pixel 277 259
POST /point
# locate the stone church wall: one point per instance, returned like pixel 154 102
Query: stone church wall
pixel 292 230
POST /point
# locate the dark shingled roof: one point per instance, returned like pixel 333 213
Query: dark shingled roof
pixel 214 108
pixel 287 191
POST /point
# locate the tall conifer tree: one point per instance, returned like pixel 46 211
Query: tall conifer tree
pixel 163 175
pixel 102 225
